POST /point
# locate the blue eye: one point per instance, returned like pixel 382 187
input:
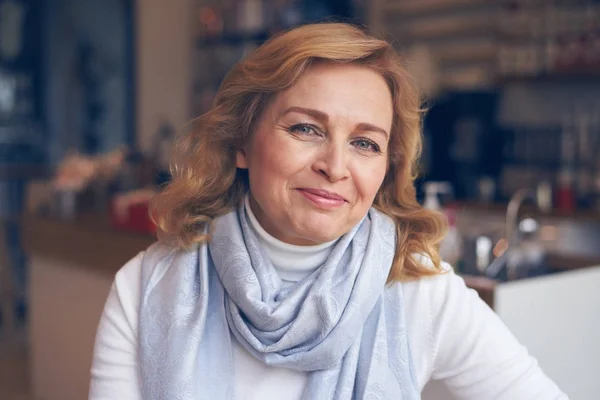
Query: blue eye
pixel 368 145
pixel 303 129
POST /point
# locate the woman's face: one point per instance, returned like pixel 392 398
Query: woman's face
pixel 319 153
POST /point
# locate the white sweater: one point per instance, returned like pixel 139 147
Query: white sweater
pixel 453 337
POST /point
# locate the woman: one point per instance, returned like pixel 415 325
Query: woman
pixel 295 261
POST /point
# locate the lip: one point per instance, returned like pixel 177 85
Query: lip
pixel 323 198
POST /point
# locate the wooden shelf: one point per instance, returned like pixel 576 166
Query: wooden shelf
pixel 230 40
pixel 454 30
pixel 467 55
pixel 466 27
pixel 558 77
pixel 540 164
pixel 417 7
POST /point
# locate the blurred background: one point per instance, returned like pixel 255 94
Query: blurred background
pixel 92 93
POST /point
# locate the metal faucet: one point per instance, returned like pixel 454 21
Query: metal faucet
pixel 512 211
pixel 512 214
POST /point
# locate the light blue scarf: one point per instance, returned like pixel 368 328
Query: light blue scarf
pixel 339 323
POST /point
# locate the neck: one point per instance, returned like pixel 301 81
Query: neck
pixel 293 262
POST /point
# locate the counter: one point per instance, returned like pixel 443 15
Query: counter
pixel 88 241
pixel 500 209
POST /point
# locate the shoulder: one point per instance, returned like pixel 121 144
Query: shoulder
pixel 157 259
pixel 131 271
pixel 428 287
pixel 129 274
pixel 146 264
pixel 157 254
pixel 434 292
pixel 135 277
pixel 433 299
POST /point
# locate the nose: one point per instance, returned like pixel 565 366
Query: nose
pixel 332 162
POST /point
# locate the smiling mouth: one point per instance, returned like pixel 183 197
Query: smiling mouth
pixel 323 198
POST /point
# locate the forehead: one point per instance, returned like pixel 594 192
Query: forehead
pixel 341 90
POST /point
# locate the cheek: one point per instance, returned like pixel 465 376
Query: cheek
pixel 263 171
pixel 272 161
pixel 277 157
pixel 368 180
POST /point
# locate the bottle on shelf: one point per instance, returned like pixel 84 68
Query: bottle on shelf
pixel 451 245
pixel 565 191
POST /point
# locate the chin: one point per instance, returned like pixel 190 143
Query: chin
pixel 321 229
pixel 310 238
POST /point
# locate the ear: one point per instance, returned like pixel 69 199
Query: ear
pixel 240 159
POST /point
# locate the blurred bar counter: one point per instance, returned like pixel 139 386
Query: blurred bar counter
pixel 499 208
pixel 88 240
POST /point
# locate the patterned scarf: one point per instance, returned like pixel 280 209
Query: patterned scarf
pixel 340 323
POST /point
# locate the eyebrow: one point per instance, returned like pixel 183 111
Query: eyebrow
pixel 323 117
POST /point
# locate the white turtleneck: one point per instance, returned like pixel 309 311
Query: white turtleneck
pixel 453 336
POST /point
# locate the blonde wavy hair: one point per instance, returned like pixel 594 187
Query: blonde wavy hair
pixel 206 183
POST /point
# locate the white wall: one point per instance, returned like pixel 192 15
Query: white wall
pixel 164 48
